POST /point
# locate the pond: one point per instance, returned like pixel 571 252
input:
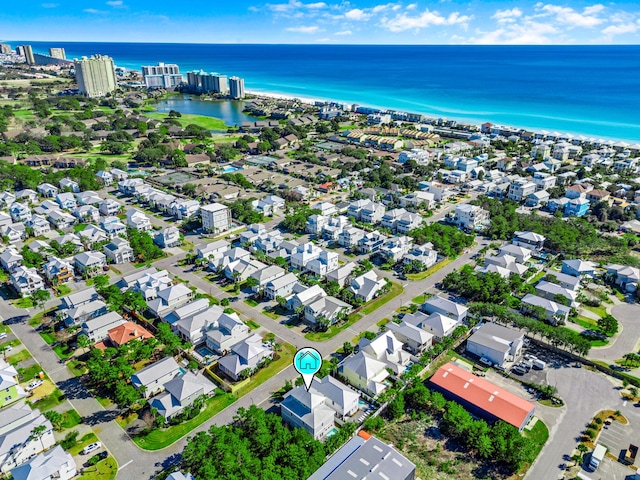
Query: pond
pixel 228 110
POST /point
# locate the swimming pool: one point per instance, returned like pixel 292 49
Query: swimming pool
pixel 230 169
pixel 204 352
pixel 332 432
pixel 142 173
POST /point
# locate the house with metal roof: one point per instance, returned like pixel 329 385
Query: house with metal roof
pixel 437 304
pixel 179 393
pixel 52 464
pixel 415 339
pixel 245 355
pixel 497 343
pixel 388 349
pixel 364 372
pixel 153 377
pixel 482 397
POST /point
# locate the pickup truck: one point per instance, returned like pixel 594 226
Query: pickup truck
pixel 630 454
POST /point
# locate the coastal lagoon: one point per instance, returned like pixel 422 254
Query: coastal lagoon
pixel 228 110
pixel 584 89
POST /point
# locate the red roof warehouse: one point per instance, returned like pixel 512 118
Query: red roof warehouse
pixel 481 396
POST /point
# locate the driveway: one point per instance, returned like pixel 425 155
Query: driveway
pixel 628 316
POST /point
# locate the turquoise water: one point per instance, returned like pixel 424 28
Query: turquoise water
pixel 230 169
pixel 587 89
pixel 332 432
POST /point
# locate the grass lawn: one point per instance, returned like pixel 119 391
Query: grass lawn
pixel 252 325
pixel 38 317
pixel 251 302
pixel 83 442
pixel 285 359
pixel 23 302
pixel 71 418
pixel 106 469
pixel 62 290
pixel 124 422
pixel 30 372
pixel 333 330
pixel 11 343
pixel 420 299
pixel 79 227
pixel 46 403
pixel 537 277
pixel 105 402
pixel 395 290
pixel 539 434
pixel 426 273
pixel 162 438
pixel 600 311
pixel 586 322
pixel 77 367
pixel 270 314
pixel 4 328
pixel 210 123
pixel 63 351
pixel 18 357
pixel 48 337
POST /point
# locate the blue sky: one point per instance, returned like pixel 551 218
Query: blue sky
pixel 340 22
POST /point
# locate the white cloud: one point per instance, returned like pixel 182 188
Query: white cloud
pixel 315 6
pixel 344 32
pixel 50 5
pixel 293 5
pixel 323 40
pixel 620 29
pixel 357 14
pixel 94 11
pixel 525 33
pixel 411 6
pixel 304 29
pixel 426 19
pixel 115 3
pixel 568 16
pixel 508 15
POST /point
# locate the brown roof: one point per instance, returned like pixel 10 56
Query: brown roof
pixel 483 394
pixel 128 331
pixel 598 193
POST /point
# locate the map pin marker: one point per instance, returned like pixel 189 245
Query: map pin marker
pixel 307 361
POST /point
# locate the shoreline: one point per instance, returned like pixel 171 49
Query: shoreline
pixel 312 100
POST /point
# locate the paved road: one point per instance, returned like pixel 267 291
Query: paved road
pixel 585 393
pixel 627 340
pixel 135 463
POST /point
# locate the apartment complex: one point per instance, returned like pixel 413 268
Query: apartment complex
pixel 216 218
pixel 27 51
pixel 162 75
pixel 95 75
pixel 236 87
pixel 57 52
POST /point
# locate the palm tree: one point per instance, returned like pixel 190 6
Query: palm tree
pixel 38 432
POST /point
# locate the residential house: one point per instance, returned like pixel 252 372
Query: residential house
pixel 170 297
pixel 17 442
pixel 372 213
pixel 86 311
pixel 349 237
pixel 367 286
pixel 109 207
pixel 52 464
pixel 302 408
pixel 415 339
pixel 437 324
pixel 576 207
pixel 90 197
pixel 168 237
pixel 532 241
pixel 578 267
pixel 266 275
pixel 127 332
pixel 315 224
pixel 565 281
pixel 537 199
pixel 339 397
pixel 66 201
pixel 325 309
pixel 185 208
pixel 113 227
pixel 179 393
pixel 230 256
pixel 281 286
pixel 304 296
pixel 269 205
pixel 9 385
pixel 391 217
pixel 186 310
pixel 227 330
pixel 595 196
pixel 246 356
pixel 342 274
pixel 77 299
pixel 371 242
pixel 470 217
pixel 104 177
pixel 61 220
pixel 364 372
pixel 578 191
pixel 152 378
pixel 213 250
pixel 25 280
pixel 326 262
pixel 118 175
pixel 437 304
pixel 47 190
pixel 92 234
pixel 58 271
pixel 10 259
pixel 20 212
pixel 87 213
pixel 6 199
pixel 216 218
pixel 551 291
pixel 395 248
pixel 408 221
pixel 97 328
pixel 424 254
pixel 14 232
pixel 521 254
pixel 304 254
pixel 625 277
pixel 326 208
pixel 240 270
pixel 386 348
pixel 520 189
pixel 497 343
pixel 39 224
pixel 334 226
pixel 89 263
pixel 419 199
pixel 27 195
pixel 128 186
pixel 138 220
pixel 118 251
pixel 193 328
pixel 555 312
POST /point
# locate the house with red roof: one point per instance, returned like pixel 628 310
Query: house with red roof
pixel 481 397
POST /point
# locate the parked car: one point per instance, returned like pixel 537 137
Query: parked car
pixel 3 335
pixel 92 447
pixel 486 361
pixel 33 385
pixel 518 370
pixel 526 365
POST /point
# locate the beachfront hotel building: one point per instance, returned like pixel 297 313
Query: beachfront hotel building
pixel 204 82
pixel 5 48
pixel 162 75
pixel 57 52
pixel 27 51
pixel 95 75
pixel 236 87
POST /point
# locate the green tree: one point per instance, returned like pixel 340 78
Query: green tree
pixel 84 342
pixel 608 324
pixel 55 418
pixel 40 297
pixel 396 407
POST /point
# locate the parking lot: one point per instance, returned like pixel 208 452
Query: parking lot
pixel 616 438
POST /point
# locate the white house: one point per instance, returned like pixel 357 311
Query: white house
pixel 118 251
pixel 138 220
pixel 168 237
pixel 437 324
pixel 89 263
pixel 154 377
pixel 281 286
pixel 388 349
pixel 26 280
pixel 497 343
pixel 52 464
pixel 364 372
pixel 366 286
pixel 216 218
pixel 470 217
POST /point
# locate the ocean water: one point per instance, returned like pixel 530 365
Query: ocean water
pixel 589 90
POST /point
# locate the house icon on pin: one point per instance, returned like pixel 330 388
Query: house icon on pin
pixel 308 361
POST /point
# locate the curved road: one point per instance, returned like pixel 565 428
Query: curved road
pixel 628 315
